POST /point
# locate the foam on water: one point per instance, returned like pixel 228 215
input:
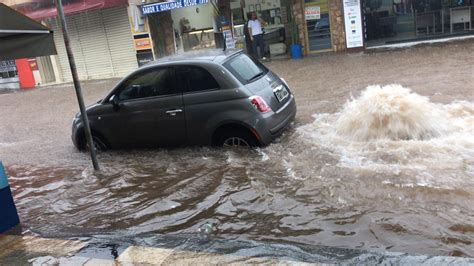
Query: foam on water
pixel 390 129
pixel 391 112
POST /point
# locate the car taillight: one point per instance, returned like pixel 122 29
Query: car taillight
pixel 260 104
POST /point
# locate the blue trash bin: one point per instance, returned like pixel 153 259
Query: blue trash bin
pixel 295 50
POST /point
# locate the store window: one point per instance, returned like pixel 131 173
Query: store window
pixel 392 21
pixel 318 25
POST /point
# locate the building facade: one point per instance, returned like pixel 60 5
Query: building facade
pixel 111 38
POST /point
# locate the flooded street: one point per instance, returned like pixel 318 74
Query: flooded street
pixel 385 168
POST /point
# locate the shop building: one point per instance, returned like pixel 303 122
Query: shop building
pixel 101 39
pixel 391 21
pixel 342 25
pixel 318 24
pixel 111 38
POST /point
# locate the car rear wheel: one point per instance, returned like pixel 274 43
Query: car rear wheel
pixel 237 138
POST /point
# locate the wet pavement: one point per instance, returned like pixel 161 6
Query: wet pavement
pixel 316 185
pixel 167 250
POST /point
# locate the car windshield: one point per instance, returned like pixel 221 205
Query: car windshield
pixel 246 69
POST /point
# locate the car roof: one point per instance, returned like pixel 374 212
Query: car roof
pixel 213 55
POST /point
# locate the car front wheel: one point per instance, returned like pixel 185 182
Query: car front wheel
pixel 99 143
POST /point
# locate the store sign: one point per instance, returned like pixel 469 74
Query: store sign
pixel 142 44
pixel 312 12
pixel 353 24
pixel 229 39
pixel 170 5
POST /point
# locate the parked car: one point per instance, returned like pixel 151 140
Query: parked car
pixel 201 98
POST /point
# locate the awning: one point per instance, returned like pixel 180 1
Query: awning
pixel 41 9
pixel 23 37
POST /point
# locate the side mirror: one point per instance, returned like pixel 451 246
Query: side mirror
pixel 114 100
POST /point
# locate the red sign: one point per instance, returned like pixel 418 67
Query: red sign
pixel 142 44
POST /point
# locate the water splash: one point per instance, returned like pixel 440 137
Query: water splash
pixel 391 112
pixel 391 130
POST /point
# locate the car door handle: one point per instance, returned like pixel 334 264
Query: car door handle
pixel 173 112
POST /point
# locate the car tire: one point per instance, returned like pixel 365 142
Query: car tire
pixel 237 138
pixel 99 143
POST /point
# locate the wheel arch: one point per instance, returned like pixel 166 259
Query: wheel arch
pixel 81 137
pixel 233 125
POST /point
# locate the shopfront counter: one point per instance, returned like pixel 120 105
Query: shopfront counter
pixel 198 39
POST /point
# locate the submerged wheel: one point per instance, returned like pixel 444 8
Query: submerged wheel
pixel 99 143
pixel 236 138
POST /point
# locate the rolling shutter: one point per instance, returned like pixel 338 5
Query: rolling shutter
pixel 102 44
pixel 61 49
pixel 94 46
pixel 120 40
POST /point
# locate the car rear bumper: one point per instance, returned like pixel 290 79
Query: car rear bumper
pixel 277 122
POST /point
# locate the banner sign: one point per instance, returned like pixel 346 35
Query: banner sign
pixel 229 39
pixel 353 23
pixel 142 43
pixel 7 65
pixel 312 12
pixel 170 5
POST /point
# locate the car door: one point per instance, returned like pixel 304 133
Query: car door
pixel 149 112
pixel 202 100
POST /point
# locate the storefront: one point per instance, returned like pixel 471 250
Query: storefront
pixel 100 33
pixel 183 26
pixel 101 41
pixel 392 21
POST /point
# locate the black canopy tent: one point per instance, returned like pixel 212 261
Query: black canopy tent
pixel 23 37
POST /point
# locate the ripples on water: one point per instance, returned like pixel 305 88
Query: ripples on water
pixel 315 185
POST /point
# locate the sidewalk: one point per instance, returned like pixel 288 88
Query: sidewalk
pixel 188 250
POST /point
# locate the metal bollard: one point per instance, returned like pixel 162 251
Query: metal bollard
pixel 8 213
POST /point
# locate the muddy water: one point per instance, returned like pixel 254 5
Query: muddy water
pixel 406 185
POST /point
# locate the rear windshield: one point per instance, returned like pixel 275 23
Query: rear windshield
pixel 246 69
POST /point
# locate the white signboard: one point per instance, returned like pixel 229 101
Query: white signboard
pixel 229 39
pixel 353 24
pixel 312 12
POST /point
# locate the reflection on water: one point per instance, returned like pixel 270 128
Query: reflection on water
pixel 315 185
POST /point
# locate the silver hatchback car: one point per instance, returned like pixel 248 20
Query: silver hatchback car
pixel 205 98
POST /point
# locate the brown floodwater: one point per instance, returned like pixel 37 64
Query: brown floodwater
pixel 391 169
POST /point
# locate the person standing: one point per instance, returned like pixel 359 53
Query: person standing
pixel 256 35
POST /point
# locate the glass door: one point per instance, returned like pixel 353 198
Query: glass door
pixel 318 29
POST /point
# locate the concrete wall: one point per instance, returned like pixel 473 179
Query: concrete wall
pixel 336 14
pixel 338 35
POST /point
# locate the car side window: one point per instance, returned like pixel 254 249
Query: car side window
pixel 197 79
pixel 152 83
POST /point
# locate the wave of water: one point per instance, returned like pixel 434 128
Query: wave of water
pixel 392 130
